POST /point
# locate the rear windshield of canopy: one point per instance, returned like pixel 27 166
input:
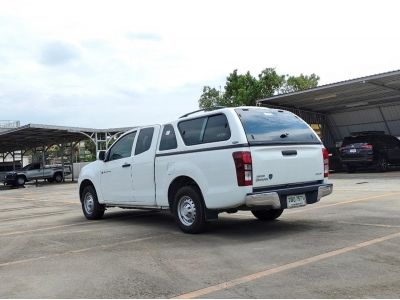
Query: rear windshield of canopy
pixel 274 126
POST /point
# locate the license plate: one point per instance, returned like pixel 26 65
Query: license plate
pixel 296 201
pixel 353 150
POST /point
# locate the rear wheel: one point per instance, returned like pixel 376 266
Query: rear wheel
pixel 267 215
pixel 189 210
pixel 91 207
pixel 382 164
pixel 58 177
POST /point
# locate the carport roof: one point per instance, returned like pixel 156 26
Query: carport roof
pixel 364 92
pixel 37 135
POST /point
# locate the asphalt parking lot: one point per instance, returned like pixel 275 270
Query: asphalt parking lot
pixel 346 246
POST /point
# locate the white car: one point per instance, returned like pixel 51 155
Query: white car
pixel 222 160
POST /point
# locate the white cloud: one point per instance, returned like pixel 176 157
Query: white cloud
pixel 120 63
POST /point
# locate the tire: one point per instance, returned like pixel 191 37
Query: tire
pixel 267 215
pixel 20 181
pixel 50 180
pixel 382 165
pixel 91 207
pixel 189 210
pixel 58 177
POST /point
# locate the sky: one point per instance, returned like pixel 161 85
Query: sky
pixel 117 63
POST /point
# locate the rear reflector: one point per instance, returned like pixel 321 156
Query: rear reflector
pixel 243 165
pixel 325 155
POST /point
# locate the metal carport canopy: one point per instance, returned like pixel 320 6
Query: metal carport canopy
pixel 38 135
pixel 366 103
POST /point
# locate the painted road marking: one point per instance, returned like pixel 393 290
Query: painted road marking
pixel 73 224
pixel 46 228
pixel 38 215
pixel 285 267
pixel 370 224
pixel 70 252
pixel 345 202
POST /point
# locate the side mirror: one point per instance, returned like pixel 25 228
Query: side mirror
pixel 101 155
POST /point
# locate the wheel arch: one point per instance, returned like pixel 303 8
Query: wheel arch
pixel 179 182
pixel 22 175
pixel 84 184
pixel 57 172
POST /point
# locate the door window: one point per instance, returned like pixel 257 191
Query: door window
pixel 123 147
pixel 144 140
pixel 168 138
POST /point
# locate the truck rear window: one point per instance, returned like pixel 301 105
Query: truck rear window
pixel 272 126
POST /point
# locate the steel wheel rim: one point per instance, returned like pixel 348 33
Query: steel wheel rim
pixel 186 211
pixel 88 203
pixel 21 181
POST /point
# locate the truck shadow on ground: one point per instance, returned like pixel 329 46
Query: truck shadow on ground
pixel 227 227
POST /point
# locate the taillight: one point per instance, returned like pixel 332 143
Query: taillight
pixel 325 155
pixel 367 146
pixel 243 164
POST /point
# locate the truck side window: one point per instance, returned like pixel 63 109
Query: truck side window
pixel 205 130
pixel 192 131
pixel 168 138
pixel 144 140
pixel 123 147
pixel 217 129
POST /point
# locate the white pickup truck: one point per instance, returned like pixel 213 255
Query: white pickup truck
pixel 223 160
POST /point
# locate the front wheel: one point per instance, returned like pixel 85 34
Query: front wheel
pixel 188 210
pixel 21 181
pixel 91 207
pixel 267 215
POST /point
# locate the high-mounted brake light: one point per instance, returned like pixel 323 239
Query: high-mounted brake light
pixel 325 155
pixel 243 164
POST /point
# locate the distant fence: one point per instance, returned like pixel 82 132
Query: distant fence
pixel 8 124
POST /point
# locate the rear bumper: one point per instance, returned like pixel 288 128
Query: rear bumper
pixel 363 160
pixel 276 199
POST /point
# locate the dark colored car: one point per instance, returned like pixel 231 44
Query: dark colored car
pixel 335 163
pixel 370 150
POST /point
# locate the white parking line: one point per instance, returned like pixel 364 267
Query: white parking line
pixel 71 252
pixel 285 267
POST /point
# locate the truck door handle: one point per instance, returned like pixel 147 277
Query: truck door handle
pixel 289 152
pixel 125 165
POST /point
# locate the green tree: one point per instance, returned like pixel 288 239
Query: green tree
pixel 210 97
pixel 300 83
pixel 270 82
pixel 241 90
pixel 245 89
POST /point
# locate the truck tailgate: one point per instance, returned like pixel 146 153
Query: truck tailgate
pixel 276 165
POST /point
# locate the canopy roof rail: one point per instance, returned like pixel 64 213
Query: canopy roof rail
pixel 204 109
